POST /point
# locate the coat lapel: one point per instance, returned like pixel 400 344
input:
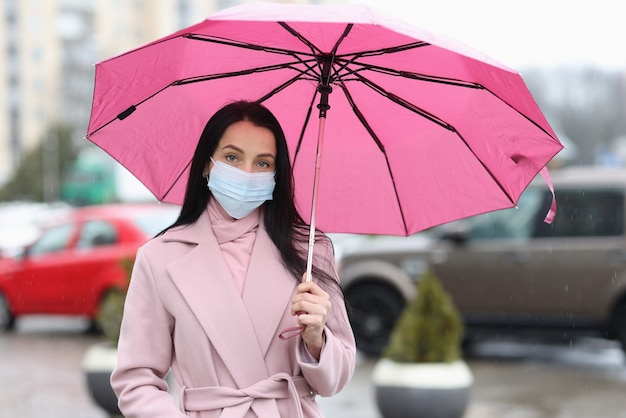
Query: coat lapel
pixel 267 290
pixel 203 278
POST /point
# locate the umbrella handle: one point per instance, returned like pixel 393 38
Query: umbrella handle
pixel 318 159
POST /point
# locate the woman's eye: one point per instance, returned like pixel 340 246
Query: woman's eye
pixel 264 164
pixel 230 158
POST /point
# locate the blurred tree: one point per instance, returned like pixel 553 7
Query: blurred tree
pixel 33 179
pixel 586 104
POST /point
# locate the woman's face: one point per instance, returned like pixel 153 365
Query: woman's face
pixel 247 147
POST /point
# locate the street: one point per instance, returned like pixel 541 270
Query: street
pixel 40 377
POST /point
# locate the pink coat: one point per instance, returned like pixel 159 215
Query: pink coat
pixel 184 311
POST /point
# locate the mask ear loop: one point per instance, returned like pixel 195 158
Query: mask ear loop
pixel 206 175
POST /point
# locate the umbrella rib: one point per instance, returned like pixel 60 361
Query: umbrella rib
pixel 314 49
pixel 407 74
pixel 169 189
pixel 438 121
pixel 244 45
pixel 404 103
pixel 128 111
pixel 301 75
pixel 380 145
pixel 384 51
pixel 394 49
pixel 304 125
pixel 351 58
pixel 297 55
pixel 432 79
pixel 278 89
pixel 198 79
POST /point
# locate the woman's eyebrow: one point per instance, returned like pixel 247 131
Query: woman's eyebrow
pixel 233 147
pixel 241 151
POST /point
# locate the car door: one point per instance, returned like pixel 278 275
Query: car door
pixel 39 283
pixel 62 270
pixel 578 259
pixel 95 256
pixel 485 272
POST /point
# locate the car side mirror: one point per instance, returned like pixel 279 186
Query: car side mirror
pixel 456 232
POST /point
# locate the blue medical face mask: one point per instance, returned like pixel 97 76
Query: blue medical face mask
pixel 238 191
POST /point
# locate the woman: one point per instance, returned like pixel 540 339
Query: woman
pixel 212 296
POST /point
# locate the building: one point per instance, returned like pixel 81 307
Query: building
pixel 49 48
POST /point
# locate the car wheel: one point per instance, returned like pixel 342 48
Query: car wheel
pixel 7 320
pixel 373 310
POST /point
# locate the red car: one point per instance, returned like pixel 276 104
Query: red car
pixel 75 262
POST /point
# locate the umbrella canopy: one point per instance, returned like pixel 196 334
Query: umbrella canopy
pixel 420 129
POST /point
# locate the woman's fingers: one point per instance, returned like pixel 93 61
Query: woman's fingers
pixel 311 299
pixel 311 304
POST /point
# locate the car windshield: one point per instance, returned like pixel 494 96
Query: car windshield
pixel 581 213
pixel 153 222
pixel 515 223
pixel 53 240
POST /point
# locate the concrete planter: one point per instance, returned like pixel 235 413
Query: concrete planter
pixel 98 364
pixel 428 390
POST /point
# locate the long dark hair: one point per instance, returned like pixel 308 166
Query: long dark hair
pixel 282 221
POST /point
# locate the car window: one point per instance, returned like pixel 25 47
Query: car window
pixel 97 233
pixel 515 223
pixel 53 240
pixel 586 213
pixel 152 223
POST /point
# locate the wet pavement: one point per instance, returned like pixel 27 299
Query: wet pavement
pixel 40 370
pixel 40 377
pixel 517 380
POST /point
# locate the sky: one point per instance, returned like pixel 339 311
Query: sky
pixel 525 33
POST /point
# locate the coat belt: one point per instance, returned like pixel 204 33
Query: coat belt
pixel 235 401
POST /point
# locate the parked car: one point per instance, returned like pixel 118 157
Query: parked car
pixel 509 273
pixel 21 223
pixel 70 268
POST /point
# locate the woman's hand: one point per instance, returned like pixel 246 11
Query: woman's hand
pixel 311 304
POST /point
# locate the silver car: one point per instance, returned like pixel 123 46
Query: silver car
pixel 507 271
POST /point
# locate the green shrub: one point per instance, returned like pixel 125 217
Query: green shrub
pixel 430 329
pixel 109 317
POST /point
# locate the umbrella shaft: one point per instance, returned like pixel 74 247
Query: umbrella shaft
pixel 318 158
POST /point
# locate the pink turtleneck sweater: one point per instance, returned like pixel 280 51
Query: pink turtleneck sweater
pixel 236 238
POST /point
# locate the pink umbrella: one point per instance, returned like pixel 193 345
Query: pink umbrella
pixel 418 130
